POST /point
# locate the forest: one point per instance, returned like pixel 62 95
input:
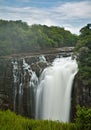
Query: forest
pixel 19 37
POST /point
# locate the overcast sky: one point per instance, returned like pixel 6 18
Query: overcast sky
pixel 70 14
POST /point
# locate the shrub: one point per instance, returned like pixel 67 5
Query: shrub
pixel 83 119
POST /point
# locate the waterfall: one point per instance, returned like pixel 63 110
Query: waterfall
pixel 15 76
pixel 47 96
pixel 23 85
pixel 53 94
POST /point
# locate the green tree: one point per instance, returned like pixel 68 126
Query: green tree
pixel 83 118
pixel 18 37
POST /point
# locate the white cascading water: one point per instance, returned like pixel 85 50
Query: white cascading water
pixel 15 73
pixel 19 75
pixel 53 95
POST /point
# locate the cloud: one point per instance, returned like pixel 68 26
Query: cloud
pixel 71 15
pixel 75 9
pixel 25 1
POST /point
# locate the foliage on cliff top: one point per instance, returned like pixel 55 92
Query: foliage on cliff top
pixel 83 49
pixel 84 38
pixel 18 37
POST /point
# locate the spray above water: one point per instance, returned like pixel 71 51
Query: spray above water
pixel 53 95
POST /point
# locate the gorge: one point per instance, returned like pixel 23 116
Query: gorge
pixel 20 80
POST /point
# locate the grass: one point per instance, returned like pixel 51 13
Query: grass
pixel 11 121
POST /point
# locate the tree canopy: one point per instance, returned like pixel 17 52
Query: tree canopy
pixel 83 48
pixel 18 37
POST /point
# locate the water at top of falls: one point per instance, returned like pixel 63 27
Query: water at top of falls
pixel 25 65
pixel 53 95
pixel 42 58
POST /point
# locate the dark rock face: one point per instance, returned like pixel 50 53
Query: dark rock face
pixel 18 81
pixel 4 104
pixel 5 84
pixel 81 94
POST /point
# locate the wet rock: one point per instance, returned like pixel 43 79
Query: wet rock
pixel 81 95
pixel 39 67
pixel 4 102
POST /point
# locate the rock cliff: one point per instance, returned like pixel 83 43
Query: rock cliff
pixel 19 77
pixel 81 94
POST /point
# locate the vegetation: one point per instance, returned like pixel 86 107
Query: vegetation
pixel 83 48
pixel 18 37
pixel 83 118
pixel 11 121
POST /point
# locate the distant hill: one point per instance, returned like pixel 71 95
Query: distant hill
pixel 18 37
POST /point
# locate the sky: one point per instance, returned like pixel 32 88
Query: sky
pixel 70 14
